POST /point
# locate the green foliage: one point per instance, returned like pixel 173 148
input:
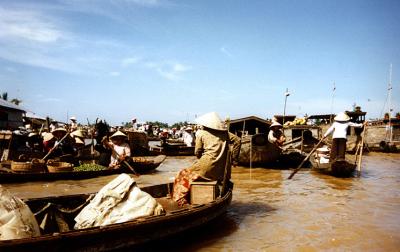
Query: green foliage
pixel 158 124
pixel 178 125
pixel 4 96
pixel 16 101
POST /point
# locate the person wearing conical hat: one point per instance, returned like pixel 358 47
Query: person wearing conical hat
pixel 275 134
pixel 188 136
pixel 339 138
pixel 211 148
pixel 48 141
pixel 73 125
pixel 121 150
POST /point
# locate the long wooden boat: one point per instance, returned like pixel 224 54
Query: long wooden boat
pixel 172 149
pixel 147 164
pixel 115 236
pixel 141 165
pixel 338 168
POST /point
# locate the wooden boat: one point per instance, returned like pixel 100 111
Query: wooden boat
pixel 172 149
pixel 259 150
pixel 338 168
pixel 147 164
pixel 141 165
pixel 60 236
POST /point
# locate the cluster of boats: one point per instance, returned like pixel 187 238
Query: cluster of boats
pixel 60 211
pixel 56 214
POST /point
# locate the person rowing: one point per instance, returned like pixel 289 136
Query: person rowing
pixel 339 138
pixel 275 134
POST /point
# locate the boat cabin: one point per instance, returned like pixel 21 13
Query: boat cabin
pixel 10 115
pixel 250 125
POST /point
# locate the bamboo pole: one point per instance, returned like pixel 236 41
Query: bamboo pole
pixel 305 159
pixel 251 155
pixel 361 151
pixel 55 146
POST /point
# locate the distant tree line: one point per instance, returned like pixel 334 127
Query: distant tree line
pixel 158 124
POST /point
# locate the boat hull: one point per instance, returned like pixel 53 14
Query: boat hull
pixel 128 234
pixel 340 168
pixel 258 150
pixel 141 165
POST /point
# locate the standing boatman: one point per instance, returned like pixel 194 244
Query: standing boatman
pixel 339 138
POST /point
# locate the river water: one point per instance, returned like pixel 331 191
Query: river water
pixel 311 212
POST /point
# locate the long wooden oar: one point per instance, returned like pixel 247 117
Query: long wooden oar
pixel 124 161
pixel 361 151
pixel 55 146
pixel 305 159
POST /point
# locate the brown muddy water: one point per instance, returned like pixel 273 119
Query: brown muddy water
pixel 311 212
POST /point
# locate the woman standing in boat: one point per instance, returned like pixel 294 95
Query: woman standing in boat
pixel 211 149
pixel 339 138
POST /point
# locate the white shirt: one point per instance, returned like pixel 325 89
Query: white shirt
pixel 188 138
pixel 122 149
pixel 339 129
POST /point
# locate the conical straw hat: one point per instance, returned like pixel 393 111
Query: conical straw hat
pixel 78 140
pixel 211 120
pixel 47 136
pixel 342 117
pixel 118 134
pixel 77 133
pixel 275 124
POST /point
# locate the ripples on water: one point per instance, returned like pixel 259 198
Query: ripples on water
pixel 311 212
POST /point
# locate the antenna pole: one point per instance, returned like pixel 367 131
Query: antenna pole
pixel 389 104
pixel 284 108
pixel 333 97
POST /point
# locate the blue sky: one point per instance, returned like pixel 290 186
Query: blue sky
pixel 172 60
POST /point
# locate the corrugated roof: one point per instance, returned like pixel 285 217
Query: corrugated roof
pixel 9 105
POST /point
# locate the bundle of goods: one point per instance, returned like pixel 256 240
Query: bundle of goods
pixel 36 165
pixel 90 167
pixel 54 166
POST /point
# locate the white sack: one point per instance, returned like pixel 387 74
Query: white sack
pixel 111 206
pixel 16 219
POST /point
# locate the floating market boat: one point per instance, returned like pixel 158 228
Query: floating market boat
pixel 172 149
pixel 141 165
pixel 258 150
pixel 60 235
pixel 147 164
pixel 339 168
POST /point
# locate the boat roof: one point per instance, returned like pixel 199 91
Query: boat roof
pixel 248 118
pixel 10 105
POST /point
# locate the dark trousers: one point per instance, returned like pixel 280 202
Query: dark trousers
pixel 338 149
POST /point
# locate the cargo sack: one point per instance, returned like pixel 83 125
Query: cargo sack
pixel 119 201
pixel 16 219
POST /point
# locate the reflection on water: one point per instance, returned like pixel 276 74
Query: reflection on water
pixel 311 212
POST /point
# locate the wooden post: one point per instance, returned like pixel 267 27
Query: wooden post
pixel 302 142
pixel 251 154
pixel 361 151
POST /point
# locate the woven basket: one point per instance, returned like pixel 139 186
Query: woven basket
pixel 36 165
pixel 54 166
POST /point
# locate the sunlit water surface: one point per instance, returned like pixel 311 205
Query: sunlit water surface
pixel 311 212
